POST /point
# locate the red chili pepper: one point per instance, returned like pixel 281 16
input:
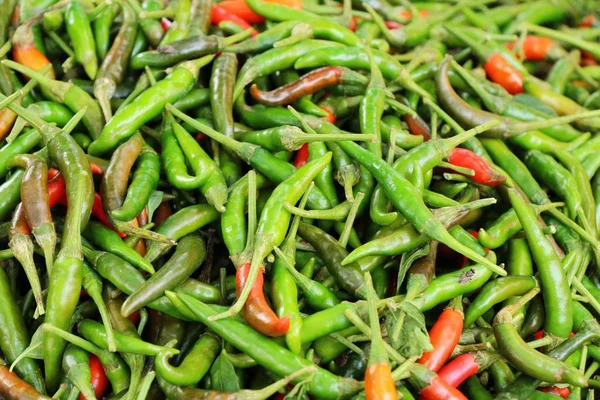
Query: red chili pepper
pixel 96 170
pixel 142 219
pixel 256 310
pixel 587 55
pixel 444 336
pixel 465 260
pixel 502 73
pixel 165 23
pixel 540 334
pixel 393 25
pixel 219 14
pixel 417 126
pixel 135 317
pixel 83 294
pixel 56 188
pixel 98 212
pixel 330 115
pixel 534 48
pixel 485 174
pixel 563 392
pixel 459 369
pixel 353 24
pixel 439 389
pixel 14 19
pixel 588 62
pixel 242 10
pixel 301 156
pixel 200 136
pixel 99 380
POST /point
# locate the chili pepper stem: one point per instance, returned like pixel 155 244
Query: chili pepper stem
pixel 293 141
pixel 45 236
pixel 22 248
pixel 8 100
pixel 337 213
pixel 505 315
pixel 129 229
pixel 350 220
pixel 104 88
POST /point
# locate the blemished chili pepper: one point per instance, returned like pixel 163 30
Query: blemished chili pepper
pixel 76 366
pixel 13 388
pixel 563 392
pixel 80 31
pixel 307 84
pixel 431 385
pixel 188 257
pixel 194 365
pixel 256 310
pixel 379 383
pixel 444 336
pixel 114 64
pixel 485 174
pixel 266 352
pixel 34 194
pixel 219 14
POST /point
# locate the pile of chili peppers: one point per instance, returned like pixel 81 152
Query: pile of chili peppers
pixel 299 199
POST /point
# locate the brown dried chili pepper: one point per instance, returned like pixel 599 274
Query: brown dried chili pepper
pixel 256 310
pixel 307 84
pixel 34 195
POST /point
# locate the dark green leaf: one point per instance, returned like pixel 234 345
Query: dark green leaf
pixel 222 375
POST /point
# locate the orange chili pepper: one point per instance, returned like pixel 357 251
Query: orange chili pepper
pixel 379 384
pixel 535 48
pixel 444 336
pixel 219 14
pixel 7 119
pixel 242 10
pixel 502 73
pixel 257 311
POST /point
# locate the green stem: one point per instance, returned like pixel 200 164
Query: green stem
pixel 350 220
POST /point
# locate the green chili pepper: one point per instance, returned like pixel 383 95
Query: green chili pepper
pixel 80 31
pixel 101 27
pixel 195 364
pixel 147 105
pixel 76 365
pixel 188 257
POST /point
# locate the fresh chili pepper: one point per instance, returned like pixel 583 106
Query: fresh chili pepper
pixel 537 48
pixel 98 377
pixel 15 339
pixel 82 37
pixel 431 385
pixel 484 173
pixel 195 364
pixel 301 156
pixel 563 392
pixel 465 366
pixel 130 118
pixel 444 336
pixel 188 257
pixel 264 351
pixel 219 14
pixel 558 310
pixel 76 366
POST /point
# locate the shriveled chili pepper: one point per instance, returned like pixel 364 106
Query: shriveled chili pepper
pixel 114 65
pixel 34 194
pixel 485 174
pixel 444 336
pixel 307 84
